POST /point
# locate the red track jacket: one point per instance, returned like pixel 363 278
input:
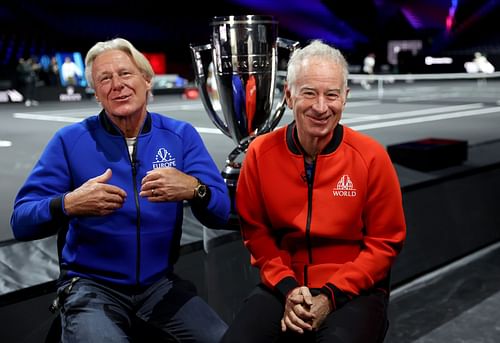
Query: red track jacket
pixel 339 233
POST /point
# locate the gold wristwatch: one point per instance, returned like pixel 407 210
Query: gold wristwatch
pixel 200 191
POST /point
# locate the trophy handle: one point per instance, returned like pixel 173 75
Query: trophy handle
pixel 291 46
pixel 202 57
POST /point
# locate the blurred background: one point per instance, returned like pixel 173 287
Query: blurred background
pixel 400 33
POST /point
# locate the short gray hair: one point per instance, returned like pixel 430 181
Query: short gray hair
pixel 117 44
pixel 315 48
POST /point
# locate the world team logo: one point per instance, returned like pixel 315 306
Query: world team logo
pixel 163 159
pixel 345 187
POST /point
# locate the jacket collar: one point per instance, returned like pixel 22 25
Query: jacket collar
pixel 292 140
pixel 112 129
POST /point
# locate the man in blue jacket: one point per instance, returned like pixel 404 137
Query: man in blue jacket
pixel 117 182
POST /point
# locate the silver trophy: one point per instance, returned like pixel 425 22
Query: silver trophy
pixel 244 53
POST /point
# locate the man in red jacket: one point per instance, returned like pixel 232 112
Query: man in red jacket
pixel 321 214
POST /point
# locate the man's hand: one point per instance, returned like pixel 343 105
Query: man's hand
pixel 168 184
pixel 320 308
pixel 95 197
pixel 298 316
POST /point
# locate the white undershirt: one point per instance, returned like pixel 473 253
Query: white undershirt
pixel 130 144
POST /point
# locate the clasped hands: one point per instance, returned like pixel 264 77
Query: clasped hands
pixel 304 311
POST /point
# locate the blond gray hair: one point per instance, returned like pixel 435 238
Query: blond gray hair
pixel 117 44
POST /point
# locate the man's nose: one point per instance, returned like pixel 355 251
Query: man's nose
pixel 321 104
pixel 116 82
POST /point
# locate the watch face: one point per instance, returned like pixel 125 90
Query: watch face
pixel 201 191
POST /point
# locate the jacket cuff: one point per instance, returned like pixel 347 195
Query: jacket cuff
pixel 56 207
pixel 337 297
pixel 286 285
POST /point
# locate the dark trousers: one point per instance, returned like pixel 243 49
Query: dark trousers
pixel 363 320
pixel 170 310
pixel 29 90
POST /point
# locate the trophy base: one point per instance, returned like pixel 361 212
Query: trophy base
pixel 230 174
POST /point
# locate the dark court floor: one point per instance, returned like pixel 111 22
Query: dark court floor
pixel 458 303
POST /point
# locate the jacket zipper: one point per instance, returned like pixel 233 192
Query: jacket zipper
pixel 310 183
pixel 133 163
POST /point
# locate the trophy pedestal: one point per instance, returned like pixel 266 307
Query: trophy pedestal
pixel 230 174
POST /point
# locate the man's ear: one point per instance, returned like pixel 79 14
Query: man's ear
pixel 288 96
pixel 149 83
pixel 346 95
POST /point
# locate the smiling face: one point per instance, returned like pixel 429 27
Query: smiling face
pixel 120 87
pixel 318 98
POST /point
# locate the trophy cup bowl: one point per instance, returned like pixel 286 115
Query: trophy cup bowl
pixel 244 54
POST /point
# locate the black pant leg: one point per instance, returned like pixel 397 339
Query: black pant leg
pixel 258 320
pixel 363 320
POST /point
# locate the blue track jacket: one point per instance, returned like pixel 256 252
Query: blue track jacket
pixel 139 243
